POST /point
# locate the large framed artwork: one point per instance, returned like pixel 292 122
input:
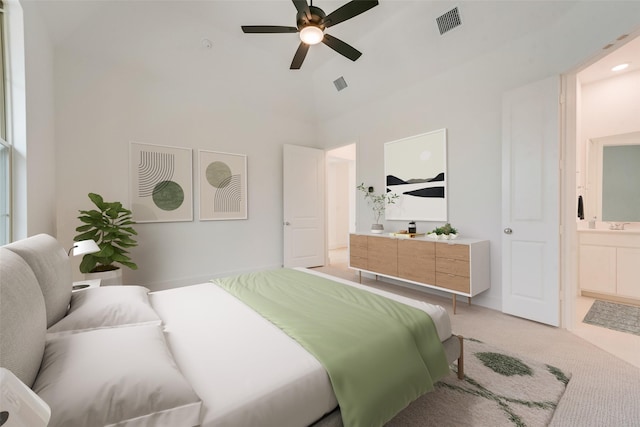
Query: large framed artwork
pixel 161 183
pixel 416 170
pixel 223 185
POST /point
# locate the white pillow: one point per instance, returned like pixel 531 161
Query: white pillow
pixel 123 377
pixel 107 307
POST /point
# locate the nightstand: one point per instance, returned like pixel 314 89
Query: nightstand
pixel 85 284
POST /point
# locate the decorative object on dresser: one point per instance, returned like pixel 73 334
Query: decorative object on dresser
pixel 378 202
pixel 110 226
pixel 415 169
pixel 446 232
pixel 460 268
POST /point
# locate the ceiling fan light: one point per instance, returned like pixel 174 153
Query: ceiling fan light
pixel 311 35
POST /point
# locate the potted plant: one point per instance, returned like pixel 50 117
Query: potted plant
pixel 446 232
pixel 110 225
pixel 378 202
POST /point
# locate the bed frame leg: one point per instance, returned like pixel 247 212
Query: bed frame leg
pixel 461 359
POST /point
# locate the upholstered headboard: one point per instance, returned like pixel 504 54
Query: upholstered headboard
pixel 51 265
pixel 35 290
pixel 23 322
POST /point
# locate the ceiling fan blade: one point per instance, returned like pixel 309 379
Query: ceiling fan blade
pixel 341 47
pixel 298 58
pixel 348 11
pixel 262 29
pixel 302 6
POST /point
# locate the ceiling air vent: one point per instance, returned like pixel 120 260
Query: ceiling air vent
pixel 448 21
pixel 340 83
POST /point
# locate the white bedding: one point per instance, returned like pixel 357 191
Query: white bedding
pixel 236 359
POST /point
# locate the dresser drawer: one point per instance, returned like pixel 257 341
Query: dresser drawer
pixel 452 251
pixel 452 266
pixel 358 246
pixel 453 282
pixel 358 262
pixel 416 261
pixel 382 255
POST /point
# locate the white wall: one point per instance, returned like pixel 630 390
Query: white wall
pixel 126 77
pixel 40 130
pixel 611 106
pixel 466 98
pixel 341 165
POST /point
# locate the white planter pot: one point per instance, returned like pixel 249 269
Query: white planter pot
pixel 111 277
pixel 377 228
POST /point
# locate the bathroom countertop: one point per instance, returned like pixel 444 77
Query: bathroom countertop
pixel 603 227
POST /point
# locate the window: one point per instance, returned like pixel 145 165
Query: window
pixel 5 143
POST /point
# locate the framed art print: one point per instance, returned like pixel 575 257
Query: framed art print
pixel 160 183
pixel 222 178
pixel 416 170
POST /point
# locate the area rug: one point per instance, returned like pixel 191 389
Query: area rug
pixel 611 315
pixel 499 389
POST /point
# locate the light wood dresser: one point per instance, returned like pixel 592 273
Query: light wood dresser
pixel 460 267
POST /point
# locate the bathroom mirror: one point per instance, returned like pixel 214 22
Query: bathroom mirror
pixel 613 187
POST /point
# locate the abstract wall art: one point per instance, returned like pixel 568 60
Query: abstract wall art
pixel 160 183
pixel 416 170
pixel 223 185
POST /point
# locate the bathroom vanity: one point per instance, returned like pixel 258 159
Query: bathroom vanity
pixel 609 263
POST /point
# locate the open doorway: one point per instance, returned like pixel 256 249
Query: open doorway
pixel 341 185
pixel 602 102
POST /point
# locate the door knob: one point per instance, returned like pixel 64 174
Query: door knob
pixel 508 230
pixel 287 223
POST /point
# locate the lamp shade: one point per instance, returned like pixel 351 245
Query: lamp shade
pixel 84 247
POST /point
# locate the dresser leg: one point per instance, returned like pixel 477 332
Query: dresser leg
pixel 360 274
pixel 454 303
pixel 469 298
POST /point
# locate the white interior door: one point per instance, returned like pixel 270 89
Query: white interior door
pixel 304 206
pixel 530 202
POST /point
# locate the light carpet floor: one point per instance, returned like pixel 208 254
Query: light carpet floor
pixel 604 390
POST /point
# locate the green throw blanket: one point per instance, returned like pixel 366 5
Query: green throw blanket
pixel 380 354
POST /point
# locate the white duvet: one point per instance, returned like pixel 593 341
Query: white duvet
pixel 247 371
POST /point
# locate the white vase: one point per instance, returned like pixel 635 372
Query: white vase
pixel 377 228
pixel 107 278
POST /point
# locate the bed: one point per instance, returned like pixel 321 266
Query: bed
pixel 202 355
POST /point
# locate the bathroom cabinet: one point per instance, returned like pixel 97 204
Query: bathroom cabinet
pixel 609 264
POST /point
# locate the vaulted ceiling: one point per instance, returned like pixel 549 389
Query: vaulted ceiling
pixel 399 39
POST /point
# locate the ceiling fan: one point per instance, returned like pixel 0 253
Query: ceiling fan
pixel 311 23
